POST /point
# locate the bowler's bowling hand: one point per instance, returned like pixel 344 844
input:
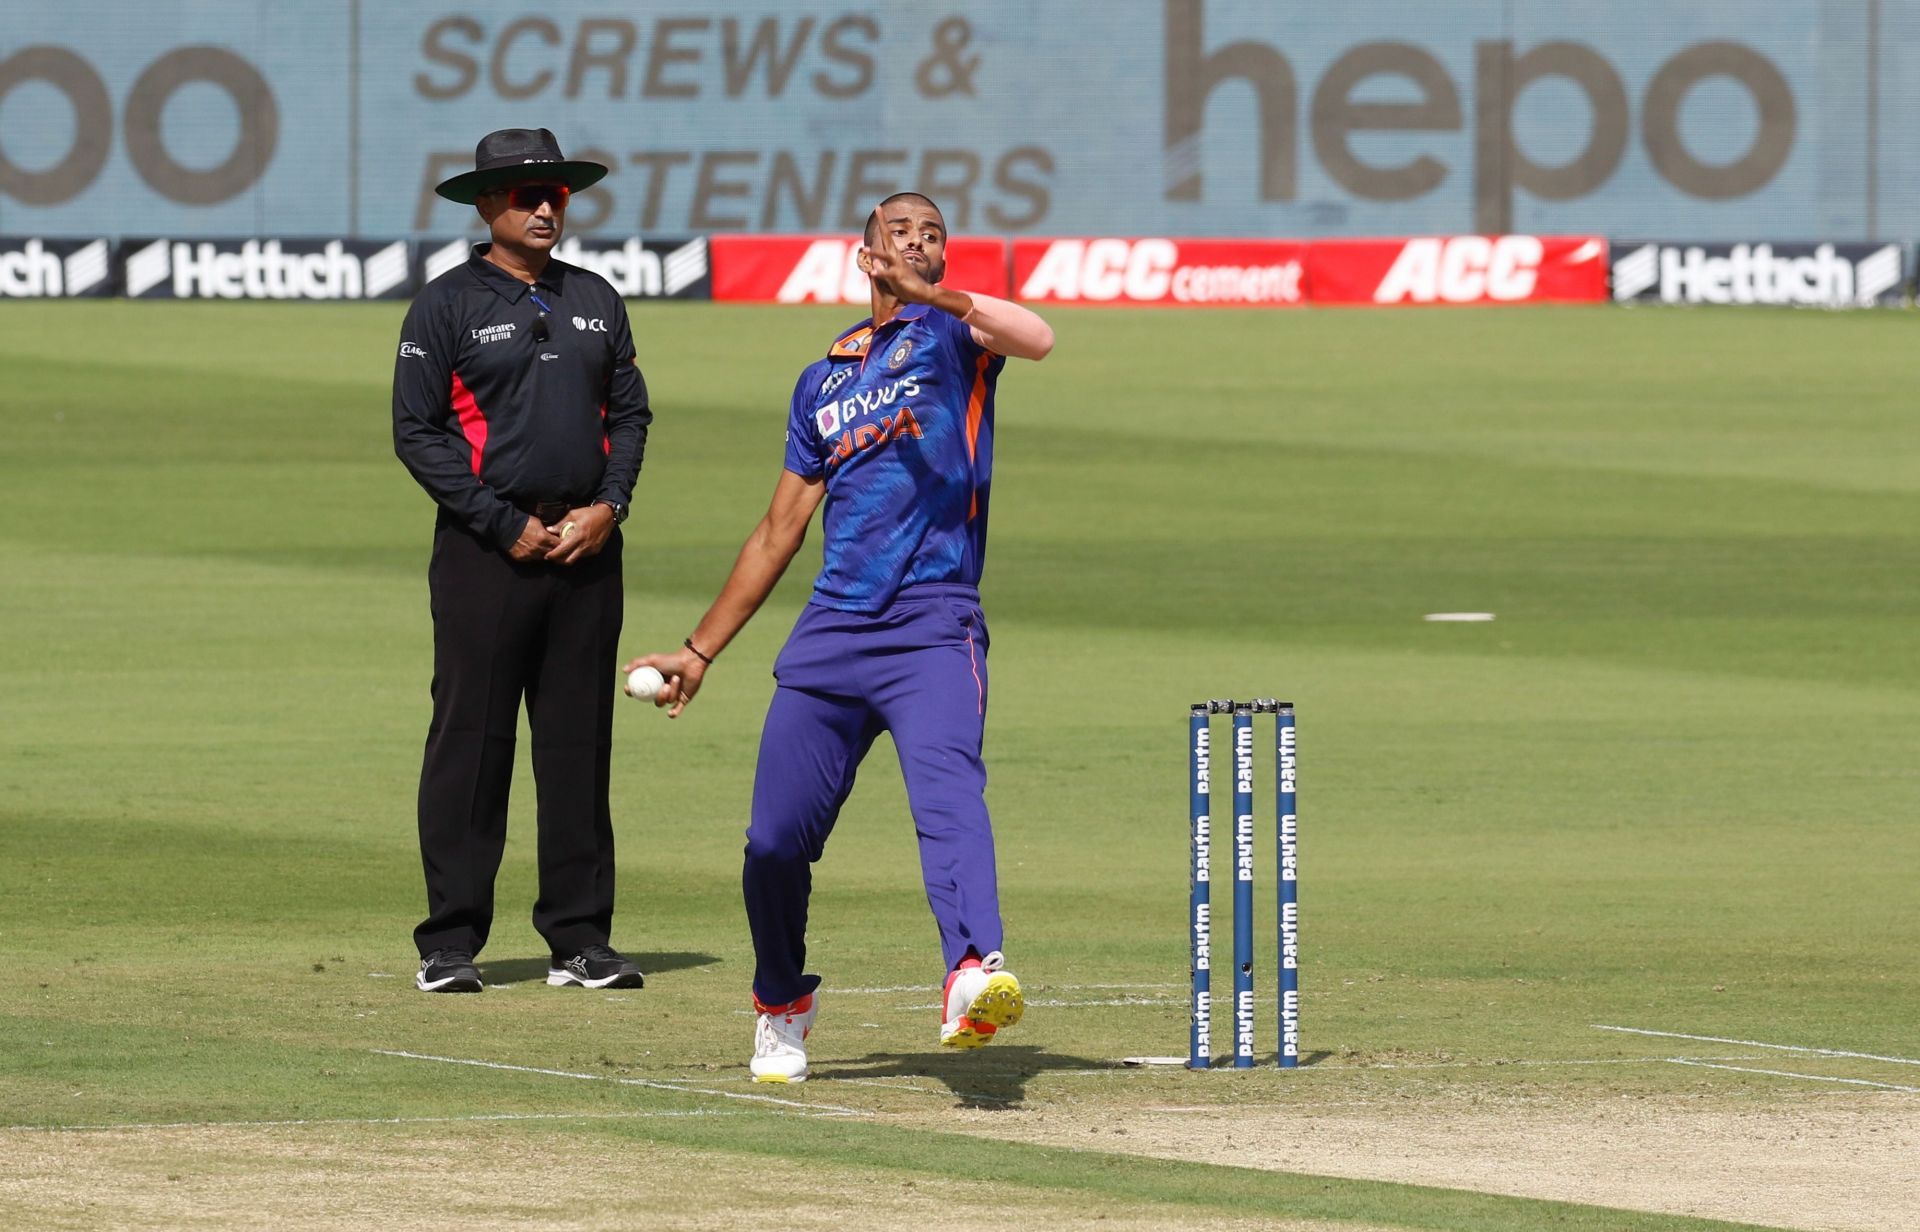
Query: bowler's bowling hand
pixel 684 672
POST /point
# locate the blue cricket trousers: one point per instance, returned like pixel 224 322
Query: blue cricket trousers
pixel 917 669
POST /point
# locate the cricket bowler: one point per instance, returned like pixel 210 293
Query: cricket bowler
pixel 893 430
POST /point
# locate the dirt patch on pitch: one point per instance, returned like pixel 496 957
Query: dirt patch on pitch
pixel 1841 1162
pixel 398 1178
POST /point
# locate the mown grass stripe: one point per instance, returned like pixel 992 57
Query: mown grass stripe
pixel 1242 1191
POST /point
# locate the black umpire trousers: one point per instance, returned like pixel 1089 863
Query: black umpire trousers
pixel 503 630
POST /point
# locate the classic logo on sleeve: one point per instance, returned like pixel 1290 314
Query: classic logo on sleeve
pixel 409 351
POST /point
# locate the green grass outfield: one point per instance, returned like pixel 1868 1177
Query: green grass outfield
pixel 1672 787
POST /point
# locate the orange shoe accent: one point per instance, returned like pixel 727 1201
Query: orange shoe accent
pixel 792 1007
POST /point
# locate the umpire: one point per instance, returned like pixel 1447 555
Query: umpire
pixel 519 406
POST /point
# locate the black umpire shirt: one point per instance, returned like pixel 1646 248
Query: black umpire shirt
pixel 507 396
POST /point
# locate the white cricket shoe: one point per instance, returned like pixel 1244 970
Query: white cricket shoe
pixel 980 1002
pixel 780 1039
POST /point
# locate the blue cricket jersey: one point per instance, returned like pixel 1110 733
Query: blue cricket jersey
pixel 900 422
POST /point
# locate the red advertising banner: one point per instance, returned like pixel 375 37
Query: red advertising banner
pixel 799 269
pixel 1439 269
pixel 1459 269
pixel 1231 272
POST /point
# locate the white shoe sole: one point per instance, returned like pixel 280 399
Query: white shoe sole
pixel 421 982
pixel 558 978
pixel 993 1009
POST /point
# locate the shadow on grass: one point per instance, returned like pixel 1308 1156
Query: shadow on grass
pixel 520 970
pixel 991 1078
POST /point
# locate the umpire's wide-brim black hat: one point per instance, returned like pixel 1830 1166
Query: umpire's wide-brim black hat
pixel 514 156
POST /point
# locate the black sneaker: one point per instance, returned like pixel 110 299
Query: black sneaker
pixel 597 966
pixel 448 971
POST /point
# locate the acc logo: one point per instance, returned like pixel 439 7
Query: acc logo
pixel 410 351
pixel 900 353
pixel 595 326
pixel 836 379
pixel 827 419
pixel 1463 269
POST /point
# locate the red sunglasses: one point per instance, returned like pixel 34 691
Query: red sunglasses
pixel 530 197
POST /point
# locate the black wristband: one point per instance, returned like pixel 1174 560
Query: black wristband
pixel 706 659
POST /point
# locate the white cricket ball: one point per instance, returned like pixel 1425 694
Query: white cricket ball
pixel 645 683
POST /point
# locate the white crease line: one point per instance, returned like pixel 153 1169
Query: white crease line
pixel 1334 1068
pixel 431 1120
pixel 1517 1064
pixel 1053 1003
pixel 1122 1068
pixel 832 991
pixel 1050 1003
pixel 1781 1073
pixel 626 1082
pixel 1719 1039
